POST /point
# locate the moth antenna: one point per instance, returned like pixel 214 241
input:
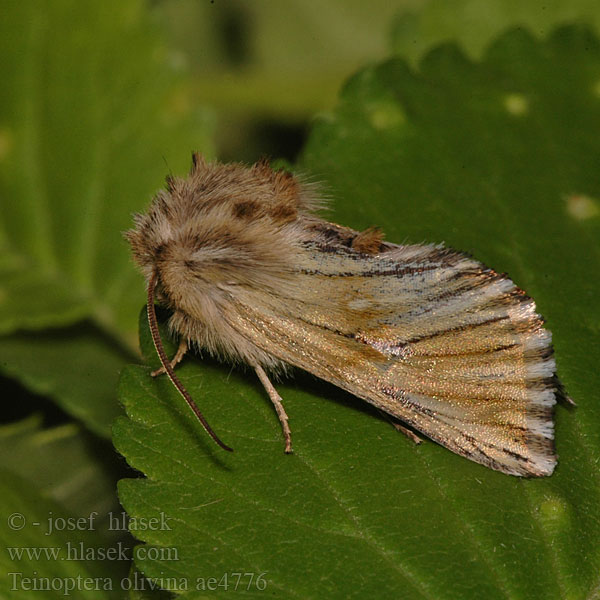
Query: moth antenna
pixel 153 324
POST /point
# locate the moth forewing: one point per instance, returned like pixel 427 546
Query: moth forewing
pixel 427 334
pixel 488 398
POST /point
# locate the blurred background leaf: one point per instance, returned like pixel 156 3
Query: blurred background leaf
pixel 38 455
pixel 495 158
pixel 267 67
pixel 89 127
pixel 77 365
pixel 37 497
pixel 473 24
pixel 24 571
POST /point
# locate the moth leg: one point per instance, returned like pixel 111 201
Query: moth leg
pixel 277 403
pixel 181 350
pixel 411 435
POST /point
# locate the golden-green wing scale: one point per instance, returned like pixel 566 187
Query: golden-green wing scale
pixel 478 377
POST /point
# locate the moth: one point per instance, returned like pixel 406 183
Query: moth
pixel 434 338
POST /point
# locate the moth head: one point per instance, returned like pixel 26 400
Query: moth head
pixel 223 226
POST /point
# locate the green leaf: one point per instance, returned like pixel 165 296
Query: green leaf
pixel 56 492
pixel 497 158
pixel 475 24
